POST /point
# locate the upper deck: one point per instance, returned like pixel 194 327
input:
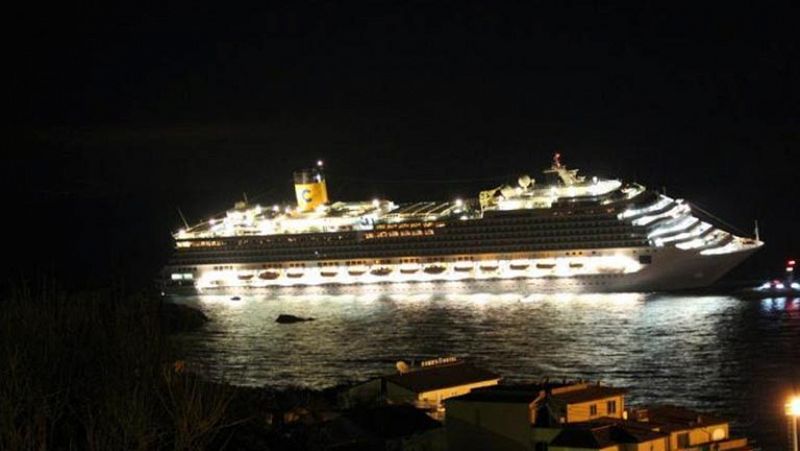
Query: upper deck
pixel 255 220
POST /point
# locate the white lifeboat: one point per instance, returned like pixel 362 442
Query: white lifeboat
pixel 269 274
pixel 435 268
pixel 381 271
pixel 295 272
pixel 329 271
pixel 520 265
pixel 357 270
pixel 409 268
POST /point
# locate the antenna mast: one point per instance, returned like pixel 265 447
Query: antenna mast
pixel 183 218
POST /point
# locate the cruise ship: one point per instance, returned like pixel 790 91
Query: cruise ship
pixel 566 233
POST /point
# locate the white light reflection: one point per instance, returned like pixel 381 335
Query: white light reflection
pixel 476 298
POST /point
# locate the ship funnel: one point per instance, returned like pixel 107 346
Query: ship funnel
pixel 310 189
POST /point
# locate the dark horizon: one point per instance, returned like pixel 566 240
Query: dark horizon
pixel 122 116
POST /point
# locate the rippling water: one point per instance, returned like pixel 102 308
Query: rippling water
pixel 737 357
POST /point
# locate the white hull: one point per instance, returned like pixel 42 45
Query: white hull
pixel 607 270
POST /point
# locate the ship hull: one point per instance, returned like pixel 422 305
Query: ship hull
pixel 665 269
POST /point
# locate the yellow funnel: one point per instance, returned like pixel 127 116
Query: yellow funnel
pixel 310 189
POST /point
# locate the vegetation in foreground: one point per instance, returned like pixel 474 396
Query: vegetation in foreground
pixel 98 371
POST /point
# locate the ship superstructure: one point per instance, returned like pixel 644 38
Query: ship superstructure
pixel 570 234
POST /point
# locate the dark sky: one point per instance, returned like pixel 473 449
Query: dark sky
pixel 122 114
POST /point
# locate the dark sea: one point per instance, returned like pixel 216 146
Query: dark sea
pixel 739 358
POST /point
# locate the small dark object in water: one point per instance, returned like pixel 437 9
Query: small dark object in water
pixel 289 319
pixel 236 298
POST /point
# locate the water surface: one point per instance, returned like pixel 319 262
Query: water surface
pixel 737 357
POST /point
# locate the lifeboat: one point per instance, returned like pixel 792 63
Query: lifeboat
pixel 356 270
pixel 463 266
pixel 409 268
pixel 575 265
pixel 520 265
pixel 545 265
pixel 269 274
pixel 245 276
pixel 295 273
pixel 489 266
pixel 435 269
pixel 382 271
pixel 329 271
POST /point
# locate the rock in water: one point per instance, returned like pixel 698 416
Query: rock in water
pixel 176 318
pixel 289 319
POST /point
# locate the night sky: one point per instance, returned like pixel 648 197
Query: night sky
pixel 122 115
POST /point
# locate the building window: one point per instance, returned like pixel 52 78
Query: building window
pixel 593 410
pixel 611 407
pixel 683 440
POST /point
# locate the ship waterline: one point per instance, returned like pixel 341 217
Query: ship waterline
pixel 571 235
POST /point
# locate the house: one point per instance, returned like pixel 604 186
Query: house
pixel 688 429
pixel 576 416
pixel 520 416
pixel 584 402
pixel 424 386
pixel 437 380
pixel 608 436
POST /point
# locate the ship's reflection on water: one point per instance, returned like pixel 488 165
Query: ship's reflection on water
pixel 734 356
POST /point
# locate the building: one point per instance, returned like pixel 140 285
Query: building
pixel 688 429
pixel 522 416
pixel 608 436
pixel 577 416
pixel 424 386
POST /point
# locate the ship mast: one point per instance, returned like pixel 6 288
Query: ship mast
pixel 569 177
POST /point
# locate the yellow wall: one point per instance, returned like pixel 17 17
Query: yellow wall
pixel 581 412
pixel 437 396
pixel 698 436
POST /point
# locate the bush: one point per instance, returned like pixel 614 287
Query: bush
pixel 98 371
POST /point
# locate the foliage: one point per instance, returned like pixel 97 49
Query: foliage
pixel 98 371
